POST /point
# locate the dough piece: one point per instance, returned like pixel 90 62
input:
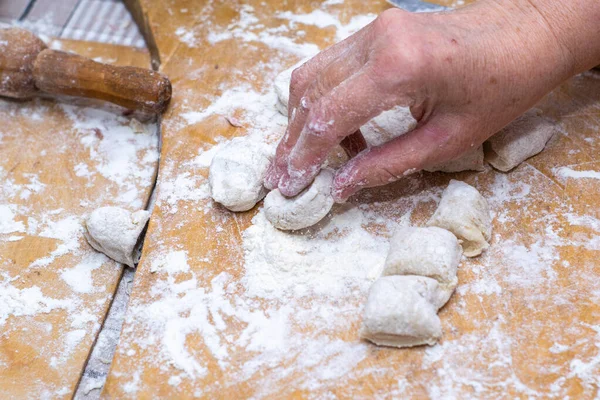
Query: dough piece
pixel 522 139
pixel 115 232
pixel 237 172
pixel 303 210
pixel 282 87
pixel 431 252
pixel 472 161
pixel 401 311
pixel 464 212
pixel 388 125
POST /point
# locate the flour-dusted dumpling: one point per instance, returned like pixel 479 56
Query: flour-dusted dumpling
pixel 401 311
pixel 431 252
pixel 464 212
pixel 237 172
pixel 282 87
pixel 304 210
pixel 471 161
pixel 115 232
pixel 522 139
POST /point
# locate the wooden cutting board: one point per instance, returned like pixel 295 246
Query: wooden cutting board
pixel 57 164
pixel 523 323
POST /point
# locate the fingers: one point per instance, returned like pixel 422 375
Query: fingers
pixel 341 111
pixel 348 62
pixel 434 142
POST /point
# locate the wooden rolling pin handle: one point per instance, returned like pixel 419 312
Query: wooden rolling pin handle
pixel 134 88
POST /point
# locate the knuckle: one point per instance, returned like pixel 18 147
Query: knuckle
pixel 319 127
pixel 401 54
pixel 387 20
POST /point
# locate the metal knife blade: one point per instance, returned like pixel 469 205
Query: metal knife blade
pixel 417 5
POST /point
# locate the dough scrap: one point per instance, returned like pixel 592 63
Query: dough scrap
pixel 431 252
pixel 115 232
pixel 388 125
pixel 237 172
pixel 303 210
pixel 520 140
pixel 471 161
pixel 401 312
pixel 464 212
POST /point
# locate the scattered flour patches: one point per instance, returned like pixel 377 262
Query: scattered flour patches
pixel 205 157
pixel 186 36
pixel 322 19
pixel 185 187
pixel 7 220
pixel 172 262
pixel 529 266
pixel 27 302
pixel 558 348
pixel 334 261
pixel 79 278
pixel 68 230
pixel 565 172
pixel 121 150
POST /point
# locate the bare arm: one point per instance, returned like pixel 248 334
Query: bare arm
pixel 464 74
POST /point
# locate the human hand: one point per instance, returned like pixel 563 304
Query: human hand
pixel 464 74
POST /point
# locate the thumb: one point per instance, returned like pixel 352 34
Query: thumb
pixel 437 141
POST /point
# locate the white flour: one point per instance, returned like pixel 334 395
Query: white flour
pixel 26 302
pixel 334 260
pixel 7 219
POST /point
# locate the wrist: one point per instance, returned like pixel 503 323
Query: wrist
pixel 571 27
pixel 576 26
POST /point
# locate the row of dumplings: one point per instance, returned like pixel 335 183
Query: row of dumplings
pixel 420 272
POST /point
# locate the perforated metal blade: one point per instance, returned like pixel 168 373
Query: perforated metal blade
pixel 417 5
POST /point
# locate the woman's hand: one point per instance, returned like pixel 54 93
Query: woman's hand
pixel 464 74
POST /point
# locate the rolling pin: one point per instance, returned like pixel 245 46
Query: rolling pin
pixel 28 67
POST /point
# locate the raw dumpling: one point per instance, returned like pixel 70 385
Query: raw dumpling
pixel 237 172
pixel 471 161
pixel 401 311
pixel 303 210
pixel 115 232
pixel 464 212
pixel 388 125
pixel 522 139
pixel 431 252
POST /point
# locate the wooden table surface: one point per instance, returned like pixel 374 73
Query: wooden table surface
pixel 524 321
pixel 57 164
